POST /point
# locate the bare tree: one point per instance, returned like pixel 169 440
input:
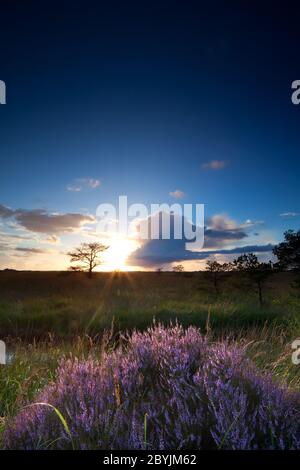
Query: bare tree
pixel 88 255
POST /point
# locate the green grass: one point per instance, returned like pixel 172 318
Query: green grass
pixel 32 305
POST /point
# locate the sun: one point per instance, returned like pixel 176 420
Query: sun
pixel 116 256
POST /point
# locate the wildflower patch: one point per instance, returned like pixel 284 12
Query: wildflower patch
pixel 167 389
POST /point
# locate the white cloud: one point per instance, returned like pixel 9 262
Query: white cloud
pixel 251 223
pixel 74 189
pixel 91 182
pixel 81 183
pixel 288 215
pixel 177 194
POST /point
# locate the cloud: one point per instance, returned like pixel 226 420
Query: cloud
pixel 14 236
pixel 219 231
pixel 81 183
pixel 220 228
pixel 52 239
pixel 241 249
pixel 177 194
pixel 157 252
pixel 74 189
pixel 41 221
pixel 30 250
pixel 252 223
pixel 215 164
pixel 289 215
pixel 92 183
pixel 5 211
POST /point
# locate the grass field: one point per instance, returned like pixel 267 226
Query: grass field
pixel 32 304
pixel 46 316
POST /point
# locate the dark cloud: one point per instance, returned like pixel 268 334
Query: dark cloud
pixel 156 252
pixel 213 236
pixel 6 211
pixel 30 250
pixel 218 231
pixel 242 249
pixel 41 221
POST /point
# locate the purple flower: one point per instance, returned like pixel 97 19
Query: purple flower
pixel 168 388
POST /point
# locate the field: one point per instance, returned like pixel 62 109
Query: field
pixel 46 316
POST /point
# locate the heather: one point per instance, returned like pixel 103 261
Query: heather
pixel 165 388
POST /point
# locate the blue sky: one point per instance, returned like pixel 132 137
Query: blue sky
pixel 142 97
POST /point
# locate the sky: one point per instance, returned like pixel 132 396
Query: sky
pixel 186 102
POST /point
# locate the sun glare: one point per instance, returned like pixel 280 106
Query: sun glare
pixel 116 256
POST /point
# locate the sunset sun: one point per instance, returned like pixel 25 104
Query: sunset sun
pixel 117 254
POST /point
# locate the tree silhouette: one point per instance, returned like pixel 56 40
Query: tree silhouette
pixel 178 268
pixel 88 255
pixel 288 251
pixel 256 271
pixel 215 270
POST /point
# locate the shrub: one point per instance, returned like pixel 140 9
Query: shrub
pixel 166 388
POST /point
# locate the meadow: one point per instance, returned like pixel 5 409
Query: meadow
pixel 49 317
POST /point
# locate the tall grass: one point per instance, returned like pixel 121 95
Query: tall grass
pixel 32 305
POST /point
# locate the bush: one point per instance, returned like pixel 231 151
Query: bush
pixel 166 388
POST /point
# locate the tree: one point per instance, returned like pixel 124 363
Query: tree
pixel 178 268
pixel 215 270
pixel 88 255
pixel 256 271
pixel 288 251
